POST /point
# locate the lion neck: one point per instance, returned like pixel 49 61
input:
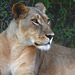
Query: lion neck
pixel 12 30
pixel 17 48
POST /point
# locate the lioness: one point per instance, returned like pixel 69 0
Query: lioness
pixel 28 31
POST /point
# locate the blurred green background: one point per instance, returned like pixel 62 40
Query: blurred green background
pixel 60 12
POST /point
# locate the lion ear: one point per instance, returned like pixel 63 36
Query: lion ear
pixel 41 7
pixel 19 9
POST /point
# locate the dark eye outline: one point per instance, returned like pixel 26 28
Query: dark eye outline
pixel 35 21
pixel 48 21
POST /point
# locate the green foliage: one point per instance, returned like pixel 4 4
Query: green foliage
pixel 61 13
pixel 5 15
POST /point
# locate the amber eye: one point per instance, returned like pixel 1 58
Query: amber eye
pixel 35 20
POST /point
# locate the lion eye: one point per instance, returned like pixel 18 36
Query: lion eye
pixel 48 21
pixel 35 21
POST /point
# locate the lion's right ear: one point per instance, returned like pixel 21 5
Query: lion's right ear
pixel 41 7
pixel 18 9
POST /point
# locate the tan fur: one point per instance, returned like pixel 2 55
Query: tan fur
pixel 59 60
pixel 18 44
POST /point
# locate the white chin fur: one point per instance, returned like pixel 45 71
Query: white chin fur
pixel 44 47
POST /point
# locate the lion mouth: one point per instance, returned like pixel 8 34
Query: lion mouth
pixel 41 45
pixel 49 43
pixel 45 46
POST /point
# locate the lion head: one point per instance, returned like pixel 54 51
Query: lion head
pixel 33 25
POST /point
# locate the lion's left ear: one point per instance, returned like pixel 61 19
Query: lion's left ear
pixel 19 10
pixel 41 7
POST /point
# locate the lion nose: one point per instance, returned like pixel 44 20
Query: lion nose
pixel 50 36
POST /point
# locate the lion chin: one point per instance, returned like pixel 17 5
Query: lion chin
pixel 44 47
